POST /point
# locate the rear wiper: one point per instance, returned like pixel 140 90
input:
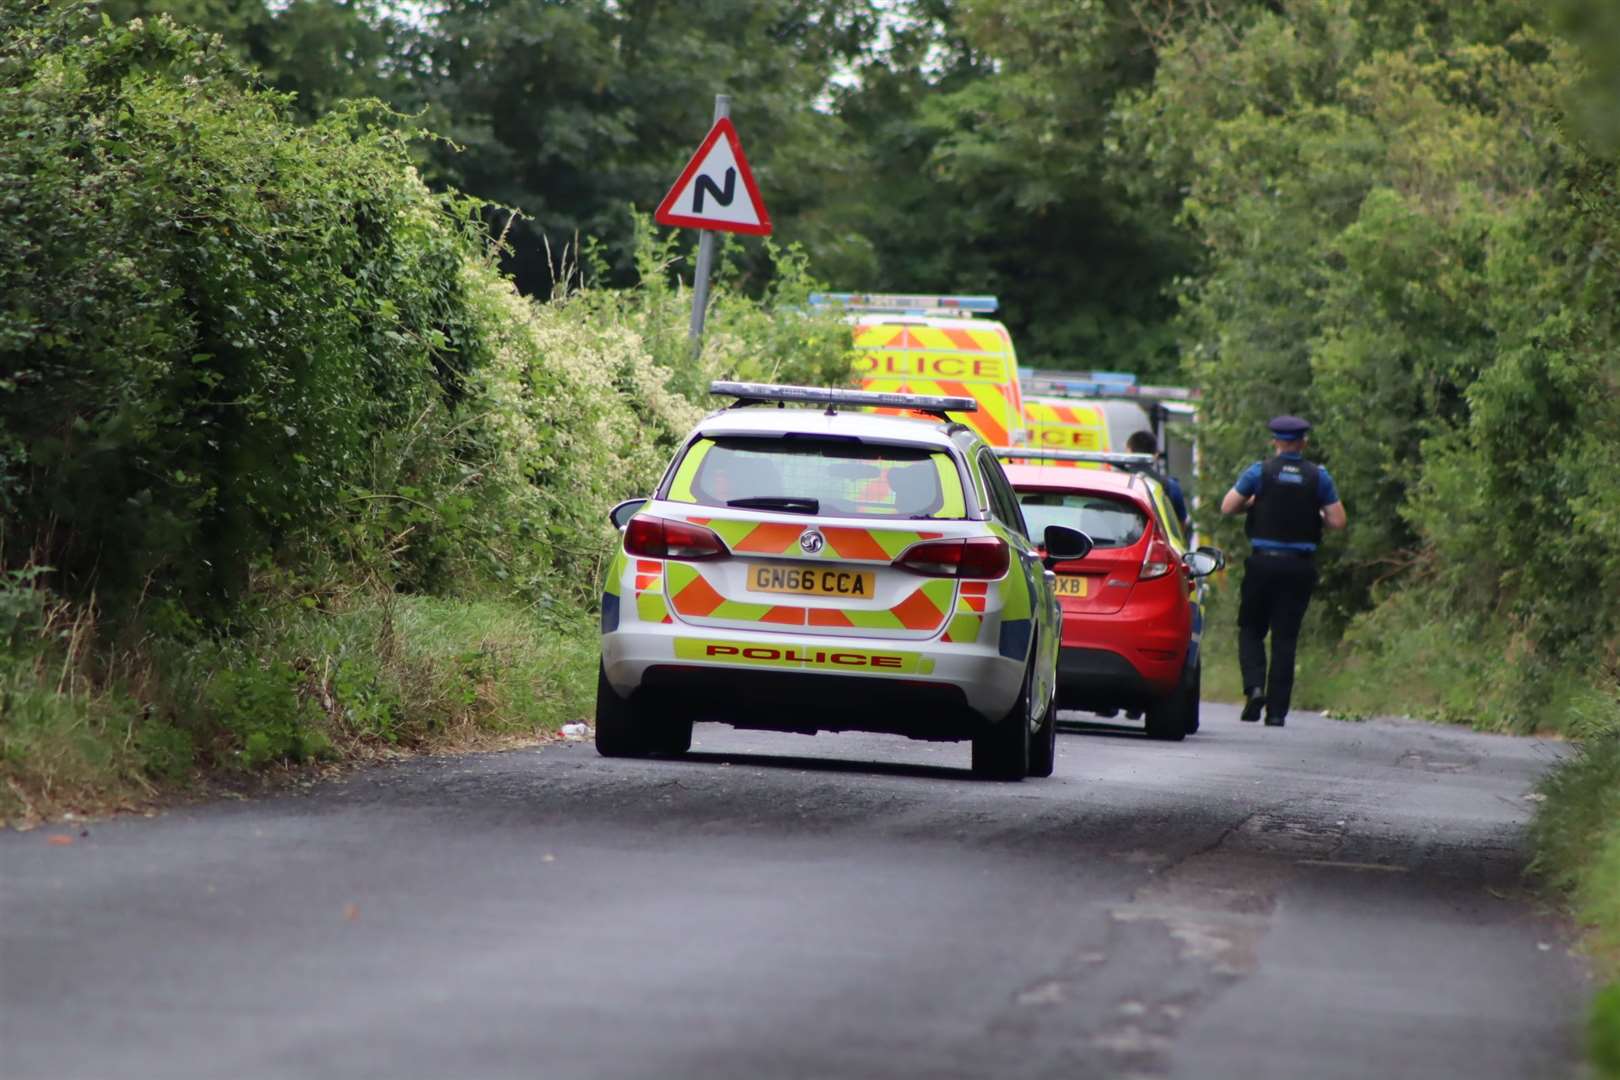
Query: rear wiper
pixel 788 503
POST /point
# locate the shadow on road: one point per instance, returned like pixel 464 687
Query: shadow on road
pixel 1098 727
pixel 827 765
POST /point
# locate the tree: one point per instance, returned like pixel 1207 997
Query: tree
pixel 320 51
pixel 572 113
pixel 986 128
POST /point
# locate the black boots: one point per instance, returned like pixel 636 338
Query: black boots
pixel 1251 707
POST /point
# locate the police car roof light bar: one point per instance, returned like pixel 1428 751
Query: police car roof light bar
pixel 762 393
pixel 907 304
pixel 1098 457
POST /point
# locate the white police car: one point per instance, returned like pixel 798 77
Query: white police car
pixel 831 569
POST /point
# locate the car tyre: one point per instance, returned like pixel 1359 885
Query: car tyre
pixel 1001 750
pixel 1043 746
pixel 1167 717
pixel 1195 693
pixel 674 737
pixel 620 731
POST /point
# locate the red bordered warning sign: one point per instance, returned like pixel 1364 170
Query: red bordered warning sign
pixel 716 189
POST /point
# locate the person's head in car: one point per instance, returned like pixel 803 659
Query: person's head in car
pixel 740 475
pixel 915 487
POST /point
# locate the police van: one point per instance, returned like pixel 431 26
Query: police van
pixel 1097 411
pixel 938 345
pixel 826 568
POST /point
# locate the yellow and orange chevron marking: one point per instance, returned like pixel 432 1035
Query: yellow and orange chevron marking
pixel 1066 425
pixel 988 338
pixel 976 362
pixel 650 604
pixel 925 608
pixel 843 543
pixel 969 617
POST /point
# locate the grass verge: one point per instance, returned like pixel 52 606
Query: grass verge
pixel 1577 841
pixel 1400 660
pixel 89 728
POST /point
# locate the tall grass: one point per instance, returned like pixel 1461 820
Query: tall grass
pixel 1577 840
pixel 94 727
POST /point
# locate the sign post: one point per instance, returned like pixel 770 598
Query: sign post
pixel 705 253
pixel 706 197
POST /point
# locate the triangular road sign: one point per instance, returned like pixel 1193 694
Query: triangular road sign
pixel 716 189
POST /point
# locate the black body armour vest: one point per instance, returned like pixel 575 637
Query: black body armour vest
pixel 1287 509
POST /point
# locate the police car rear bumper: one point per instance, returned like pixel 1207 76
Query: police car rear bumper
pixel 928 689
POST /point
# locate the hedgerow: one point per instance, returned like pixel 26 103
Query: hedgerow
pixel 259 383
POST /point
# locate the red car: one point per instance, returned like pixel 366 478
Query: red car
pixel 1131 612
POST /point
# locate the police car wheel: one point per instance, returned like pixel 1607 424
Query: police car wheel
pixel 1001 750
pixel 674 737
pixel 1043 745
pixel 620 732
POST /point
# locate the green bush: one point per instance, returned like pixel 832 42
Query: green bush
pixel 207 312
pixel 1603 1033
pixel 168 754
pixel 1576 834
pixel 268 714
pixel 267 404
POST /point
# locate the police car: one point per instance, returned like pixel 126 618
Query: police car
pixel 829 569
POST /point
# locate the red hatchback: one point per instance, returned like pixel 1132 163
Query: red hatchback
pixel 1131 612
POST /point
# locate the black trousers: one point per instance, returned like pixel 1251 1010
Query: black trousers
pixel 1276 591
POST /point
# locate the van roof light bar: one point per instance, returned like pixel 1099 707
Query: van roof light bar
pixel 907 303
pixel 1104 384
pixel 1098 457
pixel 768 393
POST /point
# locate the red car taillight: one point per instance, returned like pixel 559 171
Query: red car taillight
pixel 1158 560
pixel 659 538
pixel 980 557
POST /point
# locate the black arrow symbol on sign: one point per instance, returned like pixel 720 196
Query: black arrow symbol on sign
pixel 722 195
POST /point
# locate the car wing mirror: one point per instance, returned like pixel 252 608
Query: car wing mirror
pixel 1063 544
pixel 620 515
pixel 1204 562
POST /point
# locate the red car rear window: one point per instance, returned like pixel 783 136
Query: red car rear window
pixel 1110 522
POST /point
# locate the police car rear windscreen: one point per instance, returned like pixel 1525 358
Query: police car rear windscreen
pixel 823 477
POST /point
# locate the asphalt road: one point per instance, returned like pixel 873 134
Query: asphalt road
pixel 1327 900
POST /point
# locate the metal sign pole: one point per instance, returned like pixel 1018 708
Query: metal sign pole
pixel 705 254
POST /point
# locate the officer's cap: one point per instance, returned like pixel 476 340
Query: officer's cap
pixel 1288 428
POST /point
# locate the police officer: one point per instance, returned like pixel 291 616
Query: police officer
pixel 1143 442
pixel 1289 500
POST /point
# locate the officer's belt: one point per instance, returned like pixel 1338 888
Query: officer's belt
pixel 1285 553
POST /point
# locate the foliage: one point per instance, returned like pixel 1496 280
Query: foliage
pixel 94 727
pixel 1577 840
pixel 318 52
pixel 267 402
pixel 1402 240
pixel 232 341
pixel 952 146
pixel 1603 1032
pixel 572 112
pixel 206 313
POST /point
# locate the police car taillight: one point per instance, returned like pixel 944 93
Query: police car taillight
pixel 980 557
pixel 1158 560
pixel 660 538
